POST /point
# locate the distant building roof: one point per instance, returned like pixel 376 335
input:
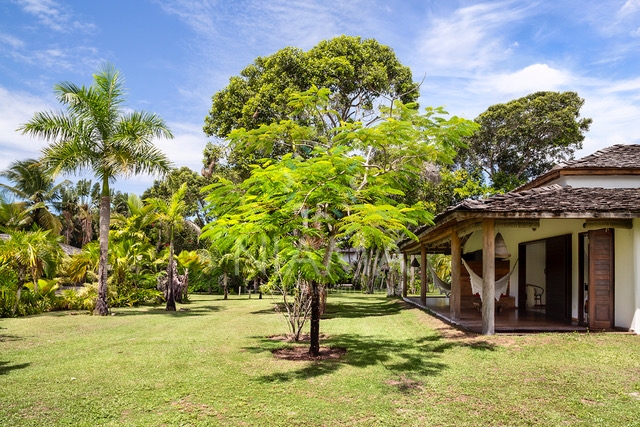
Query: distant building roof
pixel 619 159
pixel 68 249
pixel 556 200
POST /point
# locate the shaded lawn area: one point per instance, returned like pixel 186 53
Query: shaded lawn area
pixel 213 365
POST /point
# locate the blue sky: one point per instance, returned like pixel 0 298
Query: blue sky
pixel 175 54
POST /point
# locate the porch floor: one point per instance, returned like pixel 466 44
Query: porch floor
pixel 508 321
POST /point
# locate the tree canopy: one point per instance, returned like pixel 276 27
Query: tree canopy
pixel 525 137
pixel 293 210
pixel 360 74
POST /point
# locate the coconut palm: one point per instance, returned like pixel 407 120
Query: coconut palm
pixel 36 187
pixel 171 214
pixel 96 134
pixel 79 204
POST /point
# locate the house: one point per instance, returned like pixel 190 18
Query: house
pixel 573 235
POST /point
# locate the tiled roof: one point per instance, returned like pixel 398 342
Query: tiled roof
pixel 556 198
pixel 616 156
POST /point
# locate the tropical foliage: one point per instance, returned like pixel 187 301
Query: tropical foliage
pixel 96 133
pixel 338 183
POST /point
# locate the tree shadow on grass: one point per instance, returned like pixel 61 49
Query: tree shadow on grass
pixel 5 337
pixel 200 310
pixel 5 368
pixel 421 357
pixel 363 308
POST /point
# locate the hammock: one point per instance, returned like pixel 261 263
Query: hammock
pixel 444 287
pixel 476 281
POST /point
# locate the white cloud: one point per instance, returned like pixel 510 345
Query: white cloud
pixel 630 7
pixel 185 149
pixel 535 77
pixel 11 41
pixel 52 15
pixel 16 108
pixel 470 39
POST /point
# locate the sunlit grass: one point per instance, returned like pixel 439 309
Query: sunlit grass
pixel 212 365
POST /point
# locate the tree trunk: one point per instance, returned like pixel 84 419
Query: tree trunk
pixel 102 306
pixel 373 267
pixel 21 277
pixel 185 286
pixel 314 349
pixel 171 299
pixel 224 285
pixel 356 274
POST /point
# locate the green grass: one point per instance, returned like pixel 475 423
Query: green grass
pixel 213 365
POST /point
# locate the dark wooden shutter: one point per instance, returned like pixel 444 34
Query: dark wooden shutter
pixel 601 279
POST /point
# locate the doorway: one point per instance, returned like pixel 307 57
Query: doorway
pixel 544 278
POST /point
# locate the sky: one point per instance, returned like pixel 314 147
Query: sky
pixel 175 54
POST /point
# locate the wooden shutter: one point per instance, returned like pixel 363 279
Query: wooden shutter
pixel 601 279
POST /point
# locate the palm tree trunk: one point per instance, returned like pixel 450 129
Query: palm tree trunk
pixel 102 306
pixel 171 300
pixel 21 275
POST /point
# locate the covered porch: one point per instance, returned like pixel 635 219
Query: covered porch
pixel 507 321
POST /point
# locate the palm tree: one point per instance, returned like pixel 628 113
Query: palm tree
pixel 79 205
pixel 31 254
pixel 36 187
pixel 171 214
pixel 97 134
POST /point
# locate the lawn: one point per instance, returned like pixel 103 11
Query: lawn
pixel 212 364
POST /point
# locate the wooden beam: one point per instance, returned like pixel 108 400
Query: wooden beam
pixel 456 255
pixel 423 275
pixel 488 277
pixel 592 224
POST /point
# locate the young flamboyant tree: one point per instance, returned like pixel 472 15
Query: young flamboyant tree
pixel 97 134
pixel 345 186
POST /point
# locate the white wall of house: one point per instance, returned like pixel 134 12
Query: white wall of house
pixel 599 181
pixel 536 255
pixel 635 321
pixel 627 262
pixel 625 277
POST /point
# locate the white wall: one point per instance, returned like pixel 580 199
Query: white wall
pixel 536 256
pixel 625 259
pixel 599 181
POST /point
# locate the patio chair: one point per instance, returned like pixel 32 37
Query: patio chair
pixel 538 291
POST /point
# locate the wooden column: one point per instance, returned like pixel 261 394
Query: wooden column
pixel 405 265
pixel 488 277
pixel 423 275
pixel 456 265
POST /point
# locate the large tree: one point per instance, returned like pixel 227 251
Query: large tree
pixel 98 134
pixel 525 137
pixel 360 73
pixel 294 210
